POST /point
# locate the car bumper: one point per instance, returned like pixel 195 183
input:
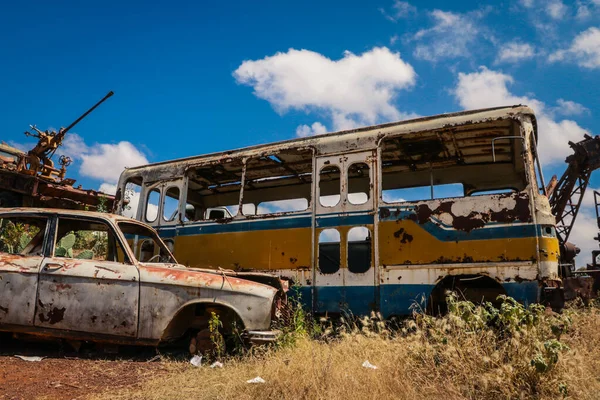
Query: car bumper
pixel 262 337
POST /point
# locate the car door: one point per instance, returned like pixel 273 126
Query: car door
pixel 88 284
pixel 22 241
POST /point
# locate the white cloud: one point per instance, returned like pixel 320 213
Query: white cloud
pixel 107 161
pixel 583 233
pixel 527 3
pixel 556 9
pixel 583 12
pixel 400 9
pixel 487 88
pixel 102 161
pixel 568 107
pixel 584 50
pixel 316 128
pixel 354 89
pixel 73 145
pixel 451 36
pixel 108 188
pixel 514 52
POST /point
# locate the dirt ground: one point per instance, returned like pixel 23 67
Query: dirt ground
pixel 66 374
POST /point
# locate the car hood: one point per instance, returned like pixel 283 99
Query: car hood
pixel 180 275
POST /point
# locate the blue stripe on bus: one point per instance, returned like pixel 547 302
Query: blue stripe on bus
pixel 344 220
pixel 395 299
pixel 491 231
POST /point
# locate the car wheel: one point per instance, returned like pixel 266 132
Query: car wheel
pixel 206 343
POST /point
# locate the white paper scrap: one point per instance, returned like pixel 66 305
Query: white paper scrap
pixel 258 379
pixel 367 364
pixel 196 361
pixel 30 358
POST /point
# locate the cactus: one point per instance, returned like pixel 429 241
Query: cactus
pixel 65 246
pixel 68 241
pixel 24 240
pixel 86 255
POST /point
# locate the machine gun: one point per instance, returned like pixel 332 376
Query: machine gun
pixel 39 159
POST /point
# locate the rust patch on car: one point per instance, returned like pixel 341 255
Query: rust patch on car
pixel 54 316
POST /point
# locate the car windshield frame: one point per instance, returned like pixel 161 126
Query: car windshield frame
pixel 148 232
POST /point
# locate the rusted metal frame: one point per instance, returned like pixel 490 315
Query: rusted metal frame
pixel 527 159
pixel 376 194
pixel 565 221
pixel 446 120
pixel 48 253
pixel 168 184
pixel 242 186
pixel 185 190
pixel 285 166
pixel 312 199
pixel 78 335
pixel 314 239
pixel 408 159
pixel 505 138
pixel 597 207
pixel 537 161
pixel 438 134
pixel 49 233
pixel 145 197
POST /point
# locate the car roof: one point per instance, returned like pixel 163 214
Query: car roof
pixel 65 212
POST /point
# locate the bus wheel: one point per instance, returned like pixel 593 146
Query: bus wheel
pixel 474 288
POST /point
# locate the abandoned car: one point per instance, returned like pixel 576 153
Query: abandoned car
pixel 87 276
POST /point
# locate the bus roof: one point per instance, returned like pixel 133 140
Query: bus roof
pixel 341 139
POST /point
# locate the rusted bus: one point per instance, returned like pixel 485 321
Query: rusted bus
pixel 375 217
pixel 72 274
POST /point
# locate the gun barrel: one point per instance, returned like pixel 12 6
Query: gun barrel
pixel 63 131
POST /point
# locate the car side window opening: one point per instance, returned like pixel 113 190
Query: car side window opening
pixel 87 240
pixel 22 235
pixel 359 249
pixel 450 164
pixel 329 251
pixel 145 244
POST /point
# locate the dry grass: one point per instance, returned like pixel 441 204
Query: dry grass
pixel 457 357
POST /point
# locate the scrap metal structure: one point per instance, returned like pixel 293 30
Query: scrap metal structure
pixel 30 178
pixel 566 196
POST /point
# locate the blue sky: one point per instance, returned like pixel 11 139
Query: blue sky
pixel 197 77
